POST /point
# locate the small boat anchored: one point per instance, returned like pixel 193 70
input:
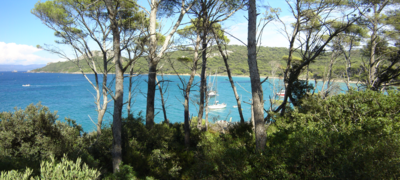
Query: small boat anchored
pixel 212 86
pixel 212 93
pixel 281 93
pixel 214 90
pixel 26 85
pixel 217 106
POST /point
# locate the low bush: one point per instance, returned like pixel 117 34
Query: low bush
pixel 65 169
pixel 348 136
pixel 32 135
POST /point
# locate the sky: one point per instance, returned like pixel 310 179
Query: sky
pixel 21 31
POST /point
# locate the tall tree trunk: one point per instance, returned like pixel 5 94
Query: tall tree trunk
pixel 207 111
pixel 372 63
pixel 327 82
pixel 162 102
pixel 203 84
pixel 187 91
pixel 103 109
pixel 151 92
pixel 186 122
pixel 203 87
pixel 116 151
pixel 130 88
pixel 307 74
pixel 155 58
pixel 151 87
pixel 105 95
pixel 348 70
pixel 228 70
pixel 118 104
pixel 257 93
pixel 333 58
pixel 252 115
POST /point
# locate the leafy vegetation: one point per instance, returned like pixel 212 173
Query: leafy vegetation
pixel 351 136
pixel 347 136
pixel 52 170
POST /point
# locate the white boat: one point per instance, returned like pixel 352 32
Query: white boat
pixel 281 93
pixel 217 106
pixel 212 93
pixel 212 87
pixel 14 71
pixel 26 85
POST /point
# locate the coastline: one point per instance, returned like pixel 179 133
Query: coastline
pixel 186 74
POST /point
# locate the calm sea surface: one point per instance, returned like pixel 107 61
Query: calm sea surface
pixel 72 96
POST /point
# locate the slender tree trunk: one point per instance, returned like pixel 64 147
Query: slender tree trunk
pixel 117 116
pixel 155 58
pixel 162 102
pixel 151 92
pixel 372 63
pixel 333 58
pixel 103 109
pixel 187 92
pixel 203 84
pixel 288 77
pixel 207 111
pixel 151 87
pixel 252 115
pixel 130 88
pixel 348 72
pixel 307 74
pixel 328 76
pixel 257 93
pixel 101 113
pixel 100 116
pixel 104 90
pixel 116 151
pixel 186 123
pixel 228 70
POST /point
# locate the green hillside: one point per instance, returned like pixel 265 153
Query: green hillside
pixel 237 62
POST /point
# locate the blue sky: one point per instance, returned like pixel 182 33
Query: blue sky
pixel 21 31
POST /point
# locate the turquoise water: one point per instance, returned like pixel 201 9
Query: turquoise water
pixel 72 96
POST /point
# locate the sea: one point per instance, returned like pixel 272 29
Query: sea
pixel 72 96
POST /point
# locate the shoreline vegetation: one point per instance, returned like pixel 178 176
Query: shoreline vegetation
pixel 271 61
pixel 312 143
pixel 198 75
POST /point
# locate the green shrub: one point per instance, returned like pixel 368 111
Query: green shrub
pixel 15 175
pixel 152 152
pixel 31 135
pixel 66 170
pixel 125 172
pixel 51 170
pixel 349 136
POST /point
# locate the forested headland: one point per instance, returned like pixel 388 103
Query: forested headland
pixel 271 61
pixel 305 134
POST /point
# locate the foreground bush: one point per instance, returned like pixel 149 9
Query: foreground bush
pixel 350 136
pixel 32 135
pixel 52 170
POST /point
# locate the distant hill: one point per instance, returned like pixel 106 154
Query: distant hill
pixel 269 58
pixel 12 67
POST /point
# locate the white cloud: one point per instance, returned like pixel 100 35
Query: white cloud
pixel 11 53
pixel 272 35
